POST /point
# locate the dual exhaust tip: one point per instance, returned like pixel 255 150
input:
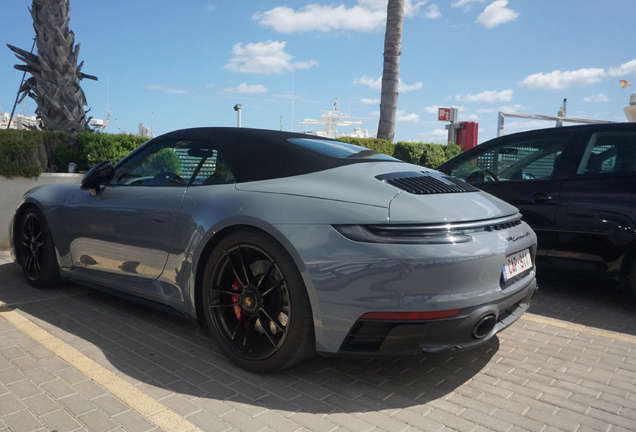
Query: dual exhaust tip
pixel 484 326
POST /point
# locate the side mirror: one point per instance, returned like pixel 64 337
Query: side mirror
pixel 101 173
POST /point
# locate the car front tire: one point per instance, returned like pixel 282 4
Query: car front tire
pixel 256 304
pixel 36 250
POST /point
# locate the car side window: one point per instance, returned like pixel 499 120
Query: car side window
pixel 168 163
pixel 214 170
pixel 609 152
pixel 531 159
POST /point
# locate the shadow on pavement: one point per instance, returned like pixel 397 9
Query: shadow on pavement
pixel 165 354
pixel 595 303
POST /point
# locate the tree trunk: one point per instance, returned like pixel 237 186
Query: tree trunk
pixel 391 70
pixel 56 75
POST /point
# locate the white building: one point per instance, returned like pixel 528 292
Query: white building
pixel 143 131
pixel 19 121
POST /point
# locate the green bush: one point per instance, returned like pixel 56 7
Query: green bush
pixel 433 156
pixel 451 150
pixel 410 152
pixel 101 147
pixel 164 160
pixel 429 155
pixel 26 153
pixel 375 144
pixel 65 155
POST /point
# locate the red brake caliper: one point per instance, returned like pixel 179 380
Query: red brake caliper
pixel 235 299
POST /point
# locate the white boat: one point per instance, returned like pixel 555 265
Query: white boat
pixel 331 119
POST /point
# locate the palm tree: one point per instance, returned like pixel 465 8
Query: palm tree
pixel 55 81
pixel 391 71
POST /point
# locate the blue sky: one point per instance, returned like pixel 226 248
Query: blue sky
pixel 190 62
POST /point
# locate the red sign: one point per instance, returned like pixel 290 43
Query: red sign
pixel 443 114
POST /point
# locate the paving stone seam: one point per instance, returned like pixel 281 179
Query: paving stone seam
pixel 579 328
pixel 149 408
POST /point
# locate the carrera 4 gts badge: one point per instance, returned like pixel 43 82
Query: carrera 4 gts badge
pixel 514 239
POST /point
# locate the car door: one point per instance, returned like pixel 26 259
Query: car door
pixel 596 213
pixel 523 170
pixel 125 230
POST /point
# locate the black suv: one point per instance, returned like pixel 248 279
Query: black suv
pixel 575 186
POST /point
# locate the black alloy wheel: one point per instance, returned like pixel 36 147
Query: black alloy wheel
pixel 256 303
pixel 36 250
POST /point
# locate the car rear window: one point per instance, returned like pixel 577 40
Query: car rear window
pixel 339 149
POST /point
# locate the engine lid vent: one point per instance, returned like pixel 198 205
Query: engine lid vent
pixel 422 183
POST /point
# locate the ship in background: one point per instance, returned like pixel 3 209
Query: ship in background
pixel 331 119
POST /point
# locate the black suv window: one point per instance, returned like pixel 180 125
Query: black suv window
pixel 529 159
pixel 609 152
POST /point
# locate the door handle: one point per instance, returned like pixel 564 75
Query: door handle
pixel 160 217
pixel 583 215
pixel 540 197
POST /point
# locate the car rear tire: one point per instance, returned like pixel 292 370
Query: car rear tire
pixel 36 250
pixel 256 304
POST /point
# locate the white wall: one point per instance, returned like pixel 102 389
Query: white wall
pixel 12 190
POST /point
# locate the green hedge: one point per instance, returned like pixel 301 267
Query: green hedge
pixel 433 156
pixel 429 155
pixel 410 152
pixel 376 144
pixel 93 148
pixel 25 153
pixel 29 153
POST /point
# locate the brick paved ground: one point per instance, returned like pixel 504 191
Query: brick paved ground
pixel 532 377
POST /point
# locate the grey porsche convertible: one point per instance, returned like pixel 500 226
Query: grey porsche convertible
pixel 286 244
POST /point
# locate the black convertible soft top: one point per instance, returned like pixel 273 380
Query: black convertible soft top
pixel 258 154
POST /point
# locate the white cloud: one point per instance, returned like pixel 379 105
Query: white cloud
pixel 408 118
pixel 400 116
pixel 558 80
pixel 465 3
pixel 366 16
pixel 431 109
pixel 627 68
pixel 165 89
pixel 487 96
pixel 264 58
pixel 245 88
pixel 410 8
pixel 377 84
pixel 435 136
pixel 370 101
pixel 210 7
pixel 434 109
pixel 486 110
pixel 497 13
pixel 432 12
pixel 409 87
pixel 598 98
pixel 374 84
pixel 511 108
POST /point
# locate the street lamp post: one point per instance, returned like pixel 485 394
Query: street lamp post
pixel 237 108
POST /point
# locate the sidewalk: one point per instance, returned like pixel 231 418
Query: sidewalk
pixel 75 359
